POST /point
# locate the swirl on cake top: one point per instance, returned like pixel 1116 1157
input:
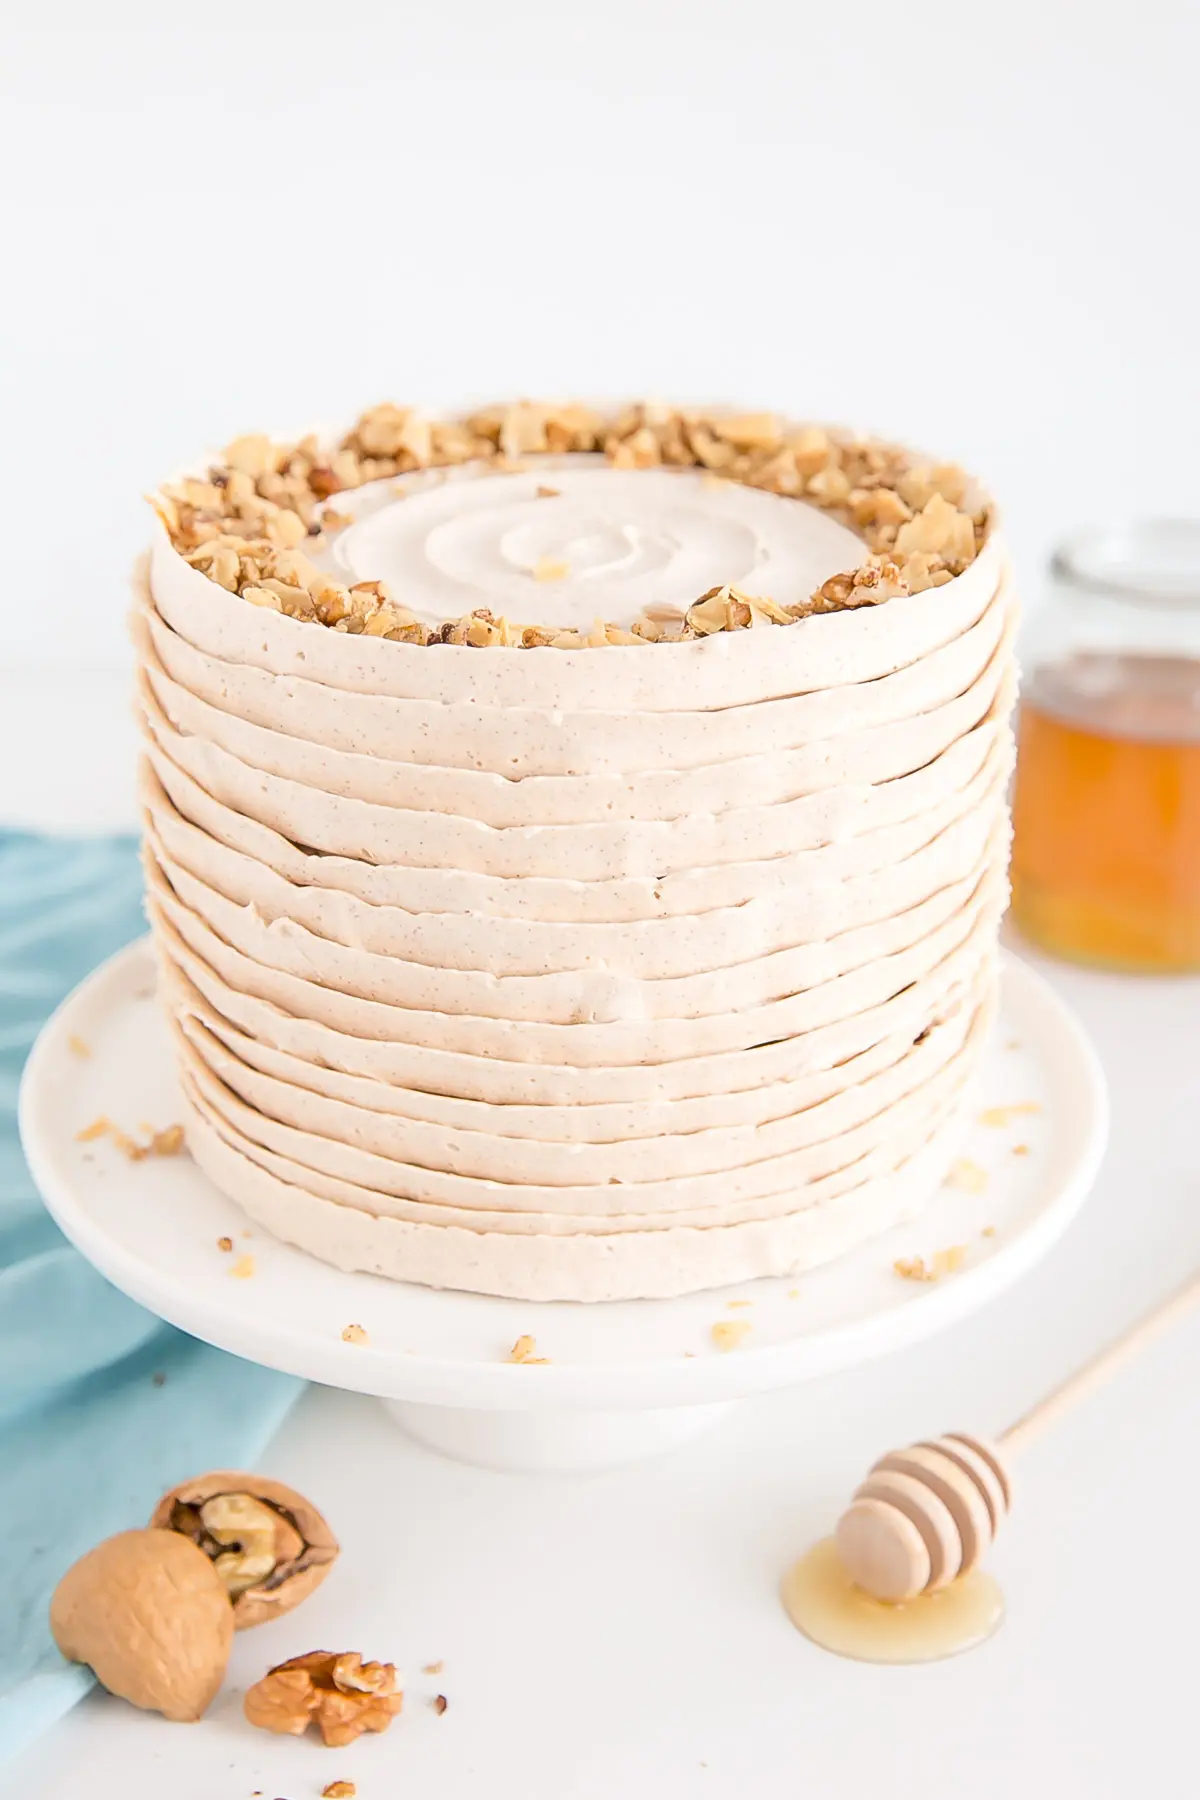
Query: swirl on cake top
pixel 608 530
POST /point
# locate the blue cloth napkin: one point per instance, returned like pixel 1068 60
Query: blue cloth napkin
pixel 102 1406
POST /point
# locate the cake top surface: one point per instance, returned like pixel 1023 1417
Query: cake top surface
pixel 651 525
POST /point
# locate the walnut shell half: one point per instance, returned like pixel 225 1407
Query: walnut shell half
pixel 149 1616
pixel 269 1545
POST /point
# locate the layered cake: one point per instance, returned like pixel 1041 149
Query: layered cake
pixel 575 842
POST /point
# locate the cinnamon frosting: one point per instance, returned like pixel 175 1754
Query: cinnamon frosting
pixel 586 971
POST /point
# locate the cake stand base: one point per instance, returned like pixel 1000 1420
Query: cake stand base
pixel 610 1383
pixel 552 1443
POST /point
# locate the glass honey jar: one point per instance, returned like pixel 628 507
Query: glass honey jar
pixel 1106 812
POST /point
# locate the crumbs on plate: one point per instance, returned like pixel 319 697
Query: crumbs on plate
pixel 966 1175
pixel 167 1142
pixel 727 1334
pixel 1000 1116
pixel 942 1262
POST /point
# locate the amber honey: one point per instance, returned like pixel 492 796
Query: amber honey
pixel 821 1601
pixel 1106 819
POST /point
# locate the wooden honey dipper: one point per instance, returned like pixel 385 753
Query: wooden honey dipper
pixel 929 1513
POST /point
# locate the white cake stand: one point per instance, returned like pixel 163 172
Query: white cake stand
pixel 624 1379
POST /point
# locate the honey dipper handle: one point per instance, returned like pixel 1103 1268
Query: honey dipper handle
pixel 1094 1374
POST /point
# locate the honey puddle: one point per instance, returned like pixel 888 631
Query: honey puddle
pixel 823 1603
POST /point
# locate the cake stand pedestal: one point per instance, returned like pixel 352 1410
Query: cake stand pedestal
pixel 623 1380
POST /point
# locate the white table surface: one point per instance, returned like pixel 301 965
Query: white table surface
pixel 620 1635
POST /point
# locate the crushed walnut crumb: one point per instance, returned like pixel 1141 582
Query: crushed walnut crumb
pixel 339 1790
pixel 1000 1116
pixel 525 1351
pixel 242 522
pixel 167 1142
pixel 440 1703
pixel 225 1244
pixel 967 1175
pixel 942 1262
pixel 355 1334
pixel 434 1668
pixel 913 1268
pixel 727 1334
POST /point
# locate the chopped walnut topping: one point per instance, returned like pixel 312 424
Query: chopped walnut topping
pixel 548 493
pixel 355 1334
pixel 434 1668
pixel 240 524
pixel 967 1175
pixel 339 1790
pixel 727 1334
pixel 523 1351
pixel 225 1244
pixel 97 1129
pixel 341 1695
pixel 440 1703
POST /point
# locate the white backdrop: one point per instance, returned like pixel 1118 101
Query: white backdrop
pixel 971 226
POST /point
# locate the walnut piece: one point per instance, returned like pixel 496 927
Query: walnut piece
pixel 340 1694
pixel 268 1544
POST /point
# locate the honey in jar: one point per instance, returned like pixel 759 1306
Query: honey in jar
pixel 1106 852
